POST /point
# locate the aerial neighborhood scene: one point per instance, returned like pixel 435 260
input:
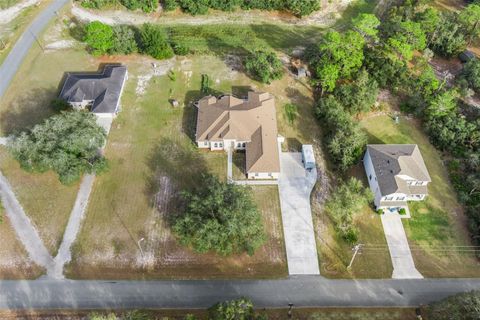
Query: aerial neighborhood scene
pixel 239 159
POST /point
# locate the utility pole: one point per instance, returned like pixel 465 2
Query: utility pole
pixel 140 247
pixel 356 249
pixel 38 41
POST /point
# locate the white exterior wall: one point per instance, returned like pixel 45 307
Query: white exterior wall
pixel 372 182
pixel 263 175
pixel 203 144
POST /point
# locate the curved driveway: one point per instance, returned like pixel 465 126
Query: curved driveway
pixel 15 58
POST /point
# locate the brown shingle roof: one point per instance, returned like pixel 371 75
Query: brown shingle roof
pixel 391 160
pixel 252 120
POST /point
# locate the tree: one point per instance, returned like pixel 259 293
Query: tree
pixel 99 37
pixel 471 73
pixel 336 56
pixel 442 104
pixel 345 140
pixel 367 25
pixel 154 42
pixel 264 66
pixel 67 143
pixel 240 309
pixel 344 204
pixel 302 8
pixel 470 19
pixel 448 38
pixel 224 5
pixel 461 306
pixel 169 5
pixel 429 20
pixel 406 37
pixel 358 96
pixel 124 41
pixel 220 217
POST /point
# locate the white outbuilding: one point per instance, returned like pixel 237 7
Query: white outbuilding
pixel 307 156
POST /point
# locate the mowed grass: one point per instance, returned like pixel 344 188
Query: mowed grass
pixel 45 200
pixel 152 158
pixel 14 261
pixel 437 229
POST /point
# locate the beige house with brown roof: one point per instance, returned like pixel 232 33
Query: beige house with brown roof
pixel 237 124
pixel 396 174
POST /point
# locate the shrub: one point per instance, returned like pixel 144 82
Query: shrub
pixel 96 4
pixel 124 41
pixel 460 306
pixel 264 66
pixel 99 37
pixel 471 73
pixel 302 8
pixel 402 211
pixel 194 7
pixel 144 5
pixel 154 42
pixel 180 49
pixel 380 212
pixel 169 5
pixel 60 105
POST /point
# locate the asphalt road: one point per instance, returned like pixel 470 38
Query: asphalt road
pixel 306 291
pixel 10 65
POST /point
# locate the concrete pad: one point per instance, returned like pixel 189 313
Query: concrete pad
pixel 295 185
pixel 402 261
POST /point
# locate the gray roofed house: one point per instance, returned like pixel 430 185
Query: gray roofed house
pixel 396 173
pixel 99 92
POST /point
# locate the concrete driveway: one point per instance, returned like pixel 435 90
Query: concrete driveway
pixel 295 185
pixel 402 261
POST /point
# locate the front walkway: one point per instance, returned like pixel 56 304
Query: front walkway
pixel 295 185
pixel 402 261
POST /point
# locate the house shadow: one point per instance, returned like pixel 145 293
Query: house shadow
pixel 241 92
pixel 189 118
pixel 28 109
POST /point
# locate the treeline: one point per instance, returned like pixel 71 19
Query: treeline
pixel 394 54
pixel 298 8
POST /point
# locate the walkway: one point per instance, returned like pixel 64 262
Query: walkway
pixel 64 254
pixel 3 141
pixel 402 261
pixel 23 227
pixel 229 164
pixel 295 186
pixel 302 291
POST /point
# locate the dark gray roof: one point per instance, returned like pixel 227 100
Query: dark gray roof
pixel 390 160
pixel 103 88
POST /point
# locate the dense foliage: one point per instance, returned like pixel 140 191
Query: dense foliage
pixel 99 37
pixel 124 41
pixel 461 306
pixel 471 73
pixel 240 309
pixel 220 217
pixel 359 95
pixel 345 203
pixel 67 143
pixel 154 42
pixel 264 66
pixel 144 5
pixel 345 140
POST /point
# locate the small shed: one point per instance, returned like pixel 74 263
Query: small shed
pixel 308 158
pixel 466 56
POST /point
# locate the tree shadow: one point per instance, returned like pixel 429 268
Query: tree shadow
pixel 177 164
pixel 189 118
pixel 294 145
pixel 28 109
pixel 77 31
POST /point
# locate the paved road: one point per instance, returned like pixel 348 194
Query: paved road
pixel 14 59
pixel 402 260
pixel 307 291
pixel 23 227
pixel 295 185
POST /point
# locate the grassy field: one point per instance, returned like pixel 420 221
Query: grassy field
pixel 152 157
pixel 273 314
pixel 437 227
pixel 46 201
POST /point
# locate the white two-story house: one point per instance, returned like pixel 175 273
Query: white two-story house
pixel 396 174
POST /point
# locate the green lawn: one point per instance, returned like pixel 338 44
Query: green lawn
pixel 437 226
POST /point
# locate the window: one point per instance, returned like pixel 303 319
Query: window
pixel 216 145
pixel 400 198
pixel 370 177
pixel 419 183
pixel 221 144
pixel 239 145
pixel 256 174
pixel 244 144
pixel 388 198
pixel 270 174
